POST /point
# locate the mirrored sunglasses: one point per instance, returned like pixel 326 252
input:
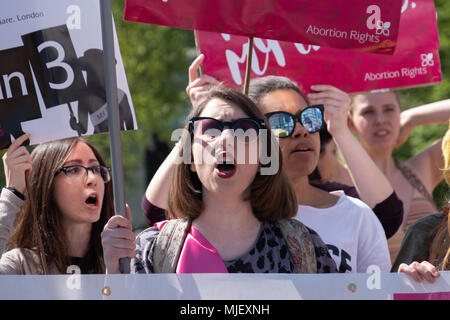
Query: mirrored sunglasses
pixel 282 123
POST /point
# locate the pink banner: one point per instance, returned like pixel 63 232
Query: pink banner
pixel 422 296
pixel 364 25
pixel 415 62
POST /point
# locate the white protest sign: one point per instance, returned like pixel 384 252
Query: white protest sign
pixel 349 286
pixel 51 71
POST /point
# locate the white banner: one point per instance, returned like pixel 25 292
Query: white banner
pixel 51 71
pixel 371 286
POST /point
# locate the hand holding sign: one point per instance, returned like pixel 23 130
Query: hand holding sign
pixel 198 85
pixel 16 162
pixel 420 271
pixel 336 103
pixel 118 241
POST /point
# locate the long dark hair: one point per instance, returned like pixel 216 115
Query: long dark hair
pixel 40 203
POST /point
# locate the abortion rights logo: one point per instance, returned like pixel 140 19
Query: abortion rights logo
pixel 374 21
pixel 383 28
pixel 427 59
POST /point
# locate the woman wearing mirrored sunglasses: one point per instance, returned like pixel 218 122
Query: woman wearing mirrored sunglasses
pixel 59 210
pixel 233 214
pixel 349 227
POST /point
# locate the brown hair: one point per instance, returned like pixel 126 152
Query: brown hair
pixel 271 196
pixel 440 246
pixel 47 158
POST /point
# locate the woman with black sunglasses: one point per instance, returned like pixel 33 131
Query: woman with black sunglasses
pixel 284 123
pixel 229 213
pixel 54 207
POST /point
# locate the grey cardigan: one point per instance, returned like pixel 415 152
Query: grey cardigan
pixel 18 260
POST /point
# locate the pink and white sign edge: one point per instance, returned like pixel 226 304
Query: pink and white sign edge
pixel 373 28
pixel 415 63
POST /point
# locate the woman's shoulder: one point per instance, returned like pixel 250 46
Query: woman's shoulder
pixel 424 166
pixel 352 204
pixel 147 235
pixel 21 253
pixel 356 209
pixel 293 228
pixel 20 261
pixel 426 224
pixel 325 264
pixel 335 186
pixel 149 249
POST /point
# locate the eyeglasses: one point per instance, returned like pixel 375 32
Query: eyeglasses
pixel 209 129
pixel 77 172
pixel 283 123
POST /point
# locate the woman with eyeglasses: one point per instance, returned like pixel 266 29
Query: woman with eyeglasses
pixel 54 207
pixel 230 209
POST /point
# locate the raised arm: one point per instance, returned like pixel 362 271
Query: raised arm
pixel 16 162
pixel 158 188
pixel 428 163
pixel 427 114
pixel 364 172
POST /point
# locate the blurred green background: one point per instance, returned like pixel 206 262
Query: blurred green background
pixel 156 60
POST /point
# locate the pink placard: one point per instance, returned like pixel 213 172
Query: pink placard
pixel 416 60
pixel 364 25
pixel 422 296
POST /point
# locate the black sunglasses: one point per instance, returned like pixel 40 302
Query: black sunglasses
pixel 282 123
pixel 209 128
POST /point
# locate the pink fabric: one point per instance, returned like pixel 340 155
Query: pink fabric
pixel 160 224
pixel 366 25
pixel 197 254
pixel 415 62
pixel 423 296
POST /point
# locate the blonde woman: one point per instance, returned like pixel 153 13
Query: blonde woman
pixel 428 240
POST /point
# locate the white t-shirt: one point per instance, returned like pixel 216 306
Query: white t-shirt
pixel 353 234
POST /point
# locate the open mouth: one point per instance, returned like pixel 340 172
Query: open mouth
pixel 381 133
pixel 92 200
pixel 225 170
